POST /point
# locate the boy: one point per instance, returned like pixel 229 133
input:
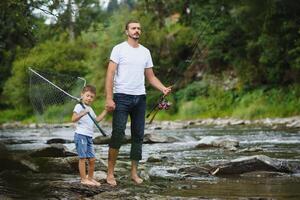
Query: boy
pixel 83 137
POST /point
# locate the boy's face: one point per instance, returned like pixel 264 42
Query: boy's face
pixel 88 97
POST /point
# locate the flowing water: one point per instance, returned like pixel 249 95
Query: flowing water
pixel 283 144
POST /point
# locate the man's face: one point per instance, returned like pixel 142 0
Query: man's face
pixel 134 31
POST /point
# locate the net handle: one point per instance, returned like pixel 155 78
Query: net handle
pixel 73 97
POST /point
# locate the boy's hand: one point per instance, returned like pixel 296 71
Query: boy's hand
pixel 85 111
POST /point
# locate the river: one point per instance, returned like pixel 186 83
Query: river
pixel 281 144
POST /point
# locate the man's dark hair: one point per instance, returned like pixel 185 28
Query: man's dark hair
pixel 89 88
pixel 129 22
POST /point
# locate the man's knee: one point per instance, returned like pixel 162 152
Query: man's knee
pixel 116 141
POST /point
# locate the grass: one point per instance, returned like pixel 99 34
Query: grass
pixel 255 104
pixel 214 103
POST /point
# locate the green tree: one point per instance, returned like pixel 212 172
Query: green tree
pixel 16 22
pixel 57 56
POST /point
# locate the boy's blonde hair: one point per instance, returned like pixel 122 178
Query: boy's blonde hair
pixel 89 88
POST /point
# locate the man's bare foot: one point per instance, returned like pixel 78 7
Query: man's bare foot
pixel 137 179
pixel 87 182
pixel 111 181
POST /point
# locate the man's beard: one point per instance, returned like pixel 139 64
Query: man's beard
pixel 133 36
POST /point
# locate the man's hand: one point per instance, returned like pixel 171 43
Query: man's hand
pixel 110 105
pixel 167 90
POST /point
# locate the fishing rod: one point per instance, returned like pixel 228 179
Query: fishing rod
pixel 162 104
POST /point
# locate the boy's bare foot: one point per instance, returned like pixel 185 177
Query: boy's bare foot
pixel 95 182
pixel 137 179
pixel 87 182
pixel 111 181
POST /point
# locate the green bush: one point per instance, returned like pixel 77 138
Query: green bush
pixel 56 56
pixel 192 91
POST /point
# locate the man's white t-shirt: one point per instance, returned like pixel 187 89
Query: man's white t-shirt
pixel 131 64
pixel 85 125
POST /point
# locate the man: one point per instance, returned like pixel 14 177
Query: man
pixel 129 63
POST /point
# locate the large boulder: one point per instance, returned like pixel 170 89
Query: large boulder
pixel 75 190
pixel 58 141
pixel 149 138
pixel 250 164
pixel 106 139
pixel 67 165
pixel 15 162
pixel 156 138
pixel 53 150
pixel 166 173
pixel 214 141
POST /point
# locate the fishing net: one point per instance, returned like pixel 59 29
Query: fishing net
pixel 50 104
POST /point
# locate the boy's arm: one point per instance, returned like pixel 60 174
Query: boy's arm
pixel 77 116
pixel 101 116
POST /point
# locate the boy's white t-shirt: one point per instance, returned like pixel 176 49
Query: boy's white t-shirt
pixel 85 125
pixel 131 63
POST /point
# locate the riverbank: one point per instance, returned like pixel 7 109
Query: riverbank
pixel 290 122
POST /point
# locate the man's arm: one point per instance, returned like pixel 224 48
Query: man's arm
pixel 155 82
pixel 110 104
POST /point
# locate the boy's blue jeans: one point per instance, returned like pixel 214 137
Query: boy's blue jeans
pixel 135 107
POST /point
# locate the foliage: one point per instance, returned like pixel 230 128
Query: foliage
pixel 257 42
pixel 16 21
pixel 60 57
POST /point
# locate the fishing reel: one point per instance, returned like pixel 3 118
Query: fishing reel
pixel 162 104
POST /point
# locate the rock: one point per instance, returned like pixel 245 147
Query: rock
pixel 105 140
pixel 111 195
pixel 54 150
pixel 250 149
pixel 60 165
pixel 213 141
pixel 168 173
pixel 3 151
pixel 250 164
pixel 148 139
pixel 75 190
pixel 295 124
pixel 58 141
pixel 195 171
pixel 126 195
pixel 264 174
pixel 15 162
pixel 237 122
pixel 156 138
pixel 32 126
pixel 18 163
pixel 100 175
pixel 101 140
pixel 154 159
pixel 67 165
